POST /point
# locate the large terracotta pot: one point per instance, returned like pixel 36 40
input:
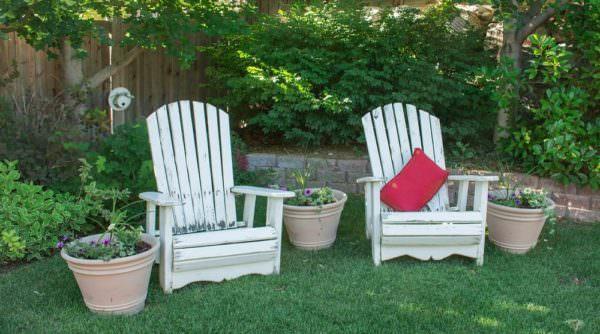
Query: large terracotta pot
pixel 118 286
pixel 314 227
pixel 514 230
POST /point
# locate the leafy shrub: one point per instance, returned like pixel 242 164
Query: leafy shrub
pixel 308 75
pixel 120 237
pixel 123 160
pixel 32 219
pixel 555 129
pixel 48 138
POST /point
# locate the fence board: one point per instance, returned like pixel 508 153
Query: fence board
pixel 41 76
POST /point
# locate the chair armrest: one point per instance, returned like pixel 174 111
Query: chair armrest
pixel 159 199
pixel 475 178
pixel 370 179
pixel 259 191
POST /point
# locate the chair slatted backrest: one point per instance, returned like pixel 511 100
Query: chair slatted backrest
pixel 392 134
pixel 191 154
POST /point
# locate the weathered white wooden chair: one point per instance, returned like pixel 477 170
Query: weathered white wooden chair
pixel 437 231
pixel 200 236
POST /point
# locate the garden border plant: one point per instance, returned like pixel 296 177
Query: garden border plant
pixel 112 268
pixel 516 217
pixel 33 219
pixel 313 216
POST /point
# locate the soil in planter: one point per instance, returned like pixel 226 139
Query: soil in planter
pixel 142 246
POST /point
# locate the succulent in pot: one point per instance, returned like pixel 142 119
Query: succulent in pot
pixel 112 268
pixel 515 218
pixel 312 217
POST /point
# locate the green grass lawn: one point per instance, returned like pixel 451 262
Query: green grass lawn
pixel 339 290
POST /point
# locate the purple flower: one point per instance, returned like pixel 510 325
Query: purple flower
pixel 517 202
pixel 491 197
pixel 307 192
pixel 65 238
pixel 106 242
pixel 60 245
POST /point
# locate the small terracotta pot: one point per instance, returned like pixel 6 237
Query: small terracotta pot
pixel 118 286
pixel 314 227
pixel 514 230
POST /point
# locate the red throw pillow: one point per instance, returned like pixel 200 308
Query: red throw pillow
pixel 415 185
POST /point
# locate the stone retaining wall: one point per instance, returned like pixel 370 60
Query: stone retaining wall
pixel 578 203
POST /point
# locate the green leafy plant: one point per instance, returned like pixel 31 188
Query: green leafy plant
pixel 528 198
pixel 11 246
pixel 307 75
pixel 555 132
pixel 120 238
pixel 523 197
pixel 123 160
pixel 309 196
pixel 32 219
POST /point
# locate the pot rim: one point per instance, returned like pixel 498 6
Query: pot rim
pixel 146 238
pixel 528 210
pixel 338 202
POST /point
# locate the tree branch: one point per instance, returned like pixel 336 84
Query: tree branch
pixel 102 75
pixel 537 20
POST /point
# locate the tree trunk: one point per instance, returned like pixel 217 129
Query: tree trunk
pixel 77 86
pixel 74 91
pixel 511 48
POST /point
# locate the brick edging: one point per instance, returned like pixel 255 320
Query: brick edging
pixel 578 203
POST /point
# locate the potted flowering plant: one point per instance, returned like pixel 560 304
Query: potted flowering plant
pixel 312 217
pixel 112 268
pixel 515 218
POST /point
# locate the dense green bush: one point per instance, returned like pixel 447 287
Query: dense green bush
pixel 555 129
pixel 308 74
pixel 32 220
pixel 123 160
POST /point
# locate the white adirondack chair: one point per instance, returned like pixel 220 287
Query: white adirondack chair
pixel 200 236
pixel 442 230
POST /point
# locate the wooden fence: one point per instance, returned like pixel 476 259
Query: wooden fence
pixel 153 78
pixel 40 76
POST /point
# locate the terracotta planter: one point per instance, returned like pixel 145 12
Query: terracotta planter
pixel 118 286
pixel 314 227
pixel 514 230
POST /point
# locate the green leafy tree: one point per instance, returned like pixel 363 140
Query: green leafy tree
pixel 520 19
pixel 60 27
pixel 556 131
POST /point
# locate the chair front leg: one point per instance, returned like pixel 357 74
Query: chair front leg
pixel 462 195
pixel 376 223
pixel 249 207
pixel 480 200
pixel 275 220
pixel 166 248
pixel 151 222
pixel 368 211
